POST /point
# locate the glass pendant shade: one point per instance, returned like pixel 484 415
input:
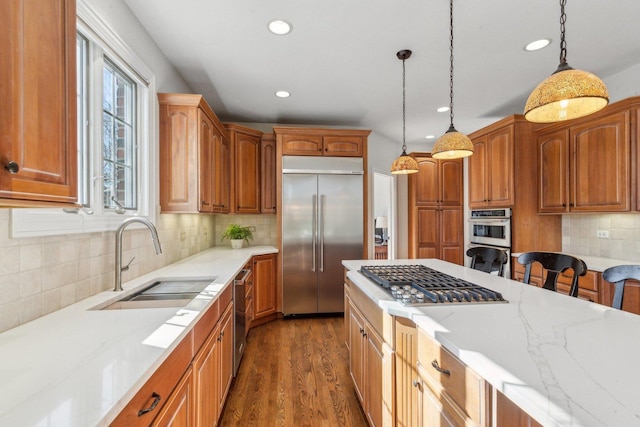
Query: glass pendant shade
pixel 404 165
pixel 452 145
pixel 566 94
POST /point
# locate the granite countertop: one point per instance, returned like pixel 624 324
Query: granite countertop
pixel 594 263
pixel 565 361
pixel 79 366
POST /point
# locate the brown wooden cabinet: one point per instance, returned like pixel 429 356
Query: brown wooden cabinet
pixel 297 141
pixel 189 389
pixel 370 356
pixel 195 156
pixel 406 349
pixel 264 274
pixel 503 173
pixel 585 167
pixel 435 209
pixel 268 174
pixel 508 414
pixel 179 410
pixel 460 394
pixel 491 171
pixel 38 145
pixel 245 188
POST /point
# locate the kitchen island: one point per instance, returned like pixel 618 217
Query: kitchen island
pixel 563 361
pixel 80 366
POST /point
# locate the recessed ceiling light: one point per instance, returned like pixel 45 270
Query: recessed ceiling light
pixel 279 27
pixel 283 94
pixel 442 109
pixel 430 136
pixel 537 45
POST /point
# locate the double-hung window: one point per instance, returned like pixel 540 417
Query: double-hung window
pixel 115 109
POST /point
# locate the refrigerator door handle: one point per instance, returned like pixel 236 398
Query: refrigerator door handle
pixel 314 228
pixel 322 204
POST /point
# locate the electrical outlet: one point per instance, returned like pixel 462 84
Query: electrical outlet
pixel 602 234
pixel 252 228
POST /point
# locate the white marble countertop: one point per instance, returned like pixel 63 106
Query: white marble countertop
pixel 79 367
pixel 594 263
pixel 565 361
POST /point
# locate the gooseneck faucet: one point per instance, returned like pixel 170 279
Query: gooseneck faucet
pixel 119 231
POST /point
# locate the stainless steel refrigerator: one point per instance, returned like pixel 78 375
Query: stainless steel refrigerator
pixel 322 223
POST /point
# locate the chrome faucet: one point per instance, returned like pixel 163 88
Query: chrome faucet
pixel 119 231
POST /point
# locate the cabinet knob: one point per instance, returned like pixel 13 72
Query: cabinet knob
pixel 205 203
pixel 416 383
pixel 12 167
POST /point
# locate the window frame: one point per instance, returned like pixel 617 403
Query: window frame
pixel 93 216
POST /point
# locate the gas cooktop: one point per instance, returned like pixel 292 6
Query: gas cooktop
pixel 420 285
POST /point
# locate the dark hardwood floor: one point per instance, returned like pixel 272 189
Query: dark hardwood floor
pixel 295 372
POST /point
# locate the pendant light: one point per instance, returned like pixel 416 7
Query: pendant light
pixel 453 144
pixel 404 164
pixel 567 93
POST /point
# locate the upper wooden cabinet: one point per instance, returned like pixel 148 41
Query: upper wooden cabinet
pixel 245 189
pixel 195 156
pixel 321 142
pixel 438 182
pixel 586 166
pixel 268 174
pixel 38 87
pixel 491 173
pixel 435 209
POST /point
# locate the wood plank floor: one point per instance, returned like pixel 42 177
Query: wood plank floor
pixel 295 372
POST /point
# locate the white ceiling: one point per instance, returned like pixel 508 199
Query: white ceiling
pixel 340 64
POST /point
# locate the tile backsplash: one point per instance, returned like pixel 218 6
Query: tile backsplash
pixel 579 235
pixel 39 275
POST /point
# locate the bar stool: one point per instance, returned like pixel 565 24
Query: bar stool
pixel 554 264
pixel 487 259
pixel 618 275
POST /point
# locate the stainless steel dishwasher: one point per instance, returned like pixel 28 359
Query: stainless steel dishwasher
pixel 239 324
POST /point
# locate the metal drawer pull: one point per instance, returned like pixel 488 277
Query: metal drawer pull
pixel 439 369
pixel 156 400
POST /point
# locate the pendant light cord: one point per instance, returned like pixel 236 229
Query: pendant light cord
pixel 451 62
pixel 404 110
pixel 563 43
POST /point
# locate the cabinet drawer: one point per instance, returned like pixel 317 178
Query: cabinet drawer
pixel 588 282
pixel 158 388
pixel 446 375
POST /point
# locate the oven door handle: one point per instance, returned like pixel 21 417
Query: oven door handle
pixel 489 221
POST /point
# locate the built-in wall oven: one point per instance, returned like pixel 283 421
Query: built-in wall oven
pixel 492 227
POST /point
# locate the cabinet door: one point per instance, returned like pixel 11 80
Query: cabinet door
pixel 38 88
pixel 206 371
pixel 600 177
pixel 451 235
pixel 425 185
pixel 450 182
pixel 301 145
pixel 424 239
pixel 343 146
pixel 264 277
pixel 226 355
pixel 500 167
pixel 553 172
pixel 406 373
pixel 478 174
pixel 221 173
pixel 508 414
pixel 207 142
pixel 179 410
pixel 268 174
pixel 356 355
pixel 373 377
pixel 247 173
pixel 433 412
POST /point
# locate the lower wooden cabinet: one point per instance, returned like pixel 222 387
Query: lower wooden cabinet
pixel 264 286
pixel 371 362
pixel 179 411
pixel 187 389
pixel 406 354
pixel 433 411
pixel 508 414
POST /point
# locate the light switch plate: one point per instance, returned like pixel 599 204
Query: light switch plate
pixel 602 234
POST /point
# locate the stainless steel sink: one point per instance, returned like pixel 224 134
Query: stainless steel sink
pixel 161 293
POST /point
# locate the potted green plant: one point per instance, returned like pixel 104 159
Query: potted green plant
pixel 237 234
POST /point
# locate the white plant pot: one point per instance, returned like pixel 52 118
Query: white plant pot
pixel 237 243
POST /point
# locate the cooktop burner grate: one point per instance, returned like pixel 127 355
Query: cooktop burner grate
pixel 421 285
